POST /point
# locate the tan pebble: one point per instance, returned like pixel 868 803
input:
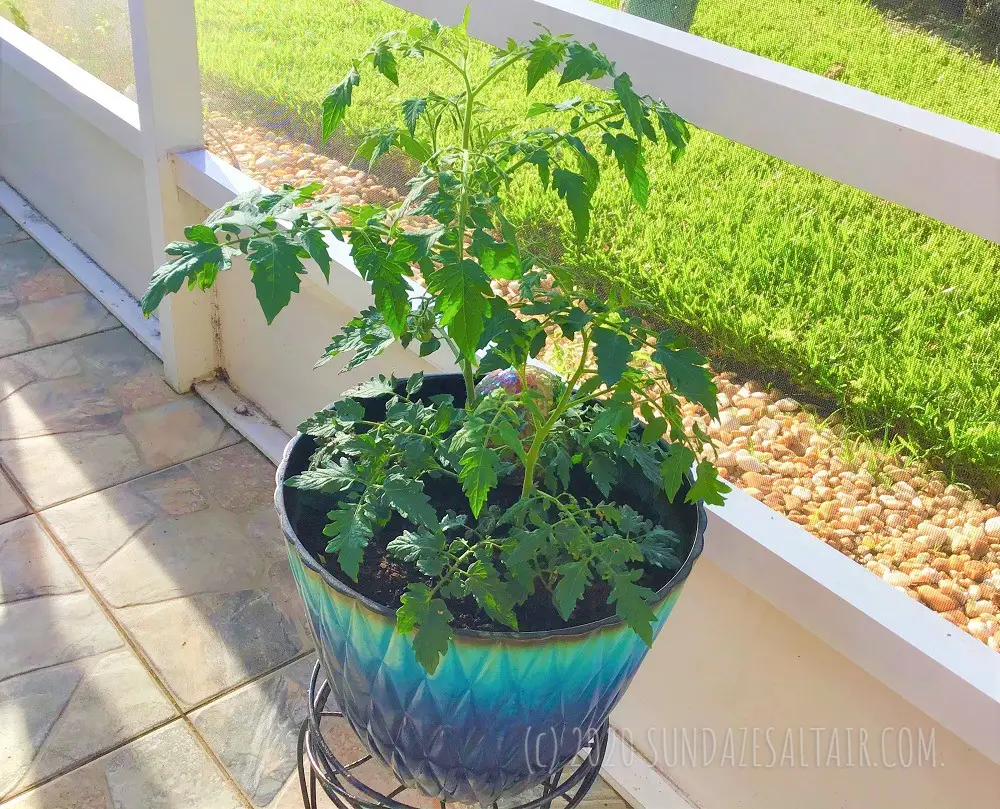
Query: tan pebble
pixel 801 492
pixel 774 500
pixel 992 527
pixel 728 420
pixel 896 578
pixel 755 479
pixel 787 405
pixel 980 609
pixel 976 570
pixel 977 629
pixel 926 575
pixel 904 490
pixel 953 590
pixel 935 599
pixel 957 617
pixel 851 522
pixel 892 503
pixel 978 546
pixel 994 642
pixel 749 463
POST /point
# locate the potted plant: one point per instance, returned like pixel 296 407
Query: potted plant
pixel 485 556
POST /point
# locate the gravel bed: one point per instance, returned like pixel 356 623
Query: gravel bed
pixel 935 541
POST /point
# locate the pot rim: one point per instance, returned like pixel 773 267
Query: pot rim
pixel 613 621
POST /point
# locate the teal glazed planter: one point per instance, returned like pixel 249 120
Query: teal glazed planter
pixel 504 710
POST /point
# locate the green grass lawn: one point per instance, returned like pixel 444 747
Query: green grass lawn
pixel 891 314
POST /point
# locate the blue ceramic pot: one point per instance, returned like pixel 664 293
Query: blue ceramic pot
pixel 504 710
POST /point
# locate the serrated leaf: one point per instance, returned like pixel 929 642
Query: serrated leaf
pixel 707 487
pixel 193 262
pixel 414 383
pixel 544 54
pixel 573 580
pixel 631 104
pixel 367 335
pixel 660 547
pixel 407 496
pixel 604 470
pixel 613 352
pixel 584 62
pixel 276 268
pixel 628 153
pixel 337 101
pixel 350 527
pixel 413 108
pixel 463 292
pixel 613 416
pixel 484 585
pixel 632 603
pixel 371 388
pixel 480 464
pixel 430 617
pixel 577 192
pixel 349 411
pixel 510 437
pixel 675 465
pixel 688 375
pixel 385 63
pixel 314 242
pixel 329 479
pixel 425 549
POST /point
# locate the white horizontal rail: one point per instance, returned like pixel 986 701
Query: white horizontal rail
pixel 927 162
pixel 943 671
pixel 105 108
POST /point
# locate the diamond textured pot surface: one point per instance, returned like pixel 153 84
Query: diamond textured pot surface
pixel 502 711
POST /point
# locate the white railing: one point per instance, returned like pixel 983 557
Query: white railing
pixel 931 164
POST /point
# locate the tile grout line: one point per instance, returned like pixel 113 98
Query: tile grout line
pixel 180 713
pixel 63 342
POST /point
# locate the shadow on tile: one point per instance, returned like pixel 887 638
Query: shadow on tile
pixel 70 688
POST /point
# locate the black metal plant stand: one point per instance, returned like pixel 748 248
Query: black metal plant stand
pixel 320 767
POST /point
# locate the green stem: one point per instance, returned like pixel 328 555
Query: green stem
pixel 542 432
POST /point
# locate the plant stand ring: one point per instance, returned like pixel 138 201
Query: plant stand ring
pixel 320 767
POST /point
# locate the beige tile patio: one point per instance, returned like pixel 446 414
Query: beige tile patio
pixel 192 563
pixel 167 769
pixel 70 688
pixel 41 303
pixel 92 412
pixel 9 230
pixel 11 504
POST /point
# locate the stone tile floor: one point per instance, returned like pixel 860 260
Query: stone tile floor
pixel 153 654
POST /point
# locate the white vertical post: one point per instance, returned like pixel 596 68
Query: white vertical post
pixel 165 54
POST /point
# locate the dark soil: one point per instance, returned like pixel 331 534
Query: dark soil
pixel 383 579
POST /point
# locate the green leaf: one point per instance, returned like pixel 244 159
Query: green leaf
pixel 573 580
pixel 484 585
pixel 675 465
pixel 688 375
pixel 545 53
pixel 337 101
pixel 431 618
pixel 660 547
pixel 314 242
pixel 329 479
pixel 707 486
pixel 675 128
pixel 613 352
pixel 350 527
pixel 615 416
pixel 604 470
pixel 632 603
pixel 414 383
pixel 385 63
pixel 628 153
pixel 276 268
pixel 198 263
pixel 584 62
pixel 510 437
pixel 201 233
pixel 463 292
pixel 632 105
pixel 349 411
pixel 423 548
pixel 413 108
pixel 407 496
pixel 577 193
pixel 480 464
pixel 367 335
pixel 372 388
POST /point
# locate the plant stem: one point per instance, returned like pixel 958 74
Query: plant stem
pixel 542 432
